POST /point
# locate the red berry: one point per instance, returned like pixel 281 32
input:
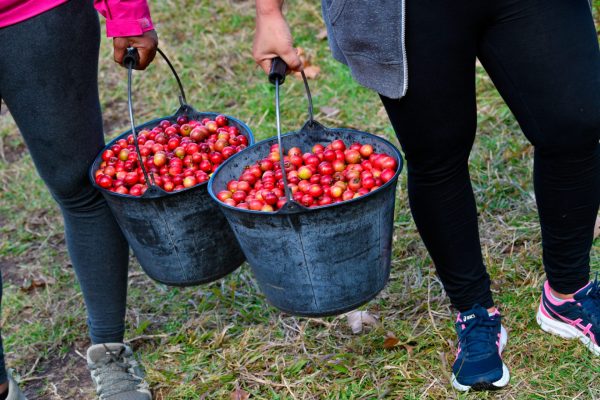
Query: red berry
pixel 221 120
pixel 338 145
pixel 387 175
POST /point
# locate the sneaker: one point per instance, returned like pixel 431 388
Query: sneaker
pixel 481 339
pixel 116 374
pixel 577 318
pixel 14 393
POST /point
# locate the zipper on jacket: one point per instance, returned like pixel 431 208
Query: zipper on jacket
pixel 403 35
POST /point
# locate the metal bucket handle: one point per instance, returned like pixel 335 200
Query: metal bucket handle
pixel 130 61
pixel 277 77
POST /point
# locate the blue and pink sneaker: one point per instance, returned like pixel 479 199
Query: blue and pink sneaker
pixel 577 318
pixel 481 339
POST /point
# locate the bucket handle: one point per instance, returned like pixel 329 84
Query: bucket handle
pixel 130 61
pixel 277 77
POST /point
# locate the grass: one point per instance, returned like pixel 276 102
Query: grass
pixel 206 342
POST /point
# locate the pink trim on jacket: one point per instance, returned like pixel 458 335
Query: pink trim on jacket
pixel 123 17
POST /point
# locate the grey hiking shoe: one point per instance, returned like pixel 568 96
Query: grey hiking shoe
pixel 14 393
pixel 116 374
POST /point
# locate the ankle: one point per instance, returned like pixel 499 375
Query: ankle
pixel 561 296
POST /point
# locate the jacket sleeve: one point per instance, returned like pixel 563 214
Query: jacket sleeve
pixel 125 17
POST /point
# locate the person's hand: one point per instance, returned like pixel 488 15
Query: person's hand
pixel 272 38
pixel 146 45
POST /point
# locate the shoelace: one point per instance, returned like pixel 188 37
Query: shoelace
pixel 118 372
pixel 480 336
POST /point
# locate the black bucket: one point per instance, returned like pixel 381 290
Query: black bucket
pixel 315 261
pixel 179 238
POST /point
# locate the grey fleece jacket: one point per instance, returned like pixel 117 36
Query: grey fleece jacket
pixel 368 36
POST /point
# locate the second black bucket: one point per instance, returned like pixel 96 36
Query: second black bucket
pixel 321 261
pixel 179 238
pixel 315 261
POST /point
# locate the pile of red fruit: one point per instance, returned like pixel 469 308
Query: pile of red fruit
pixel 176 155
pixel 329 174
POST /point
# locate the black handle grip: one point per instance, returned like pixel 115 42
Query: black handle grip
pixel 132 57
pixel 278 70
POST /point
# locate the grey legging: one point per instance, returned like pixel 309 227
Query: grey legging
pixel 49 81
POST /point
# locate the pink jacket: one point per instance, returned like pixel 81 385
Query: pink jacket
pixel 123 17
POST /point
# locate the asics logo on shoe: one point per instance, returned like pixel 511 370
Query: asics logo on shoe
pixel 478 363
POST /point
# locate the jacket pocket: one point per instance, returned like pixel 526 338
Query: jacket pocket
pixel 371 29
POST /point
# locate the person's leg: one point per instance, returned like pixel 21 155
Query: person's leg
pixel 48 79
pixel 436 123
pixel 3 377
pixel 544 58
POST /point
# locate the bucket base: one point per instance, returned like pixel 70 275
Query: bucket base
pixel 329 313
pixel 187 283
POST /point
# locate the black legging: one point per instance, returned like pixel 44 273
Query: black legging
pixel 543 57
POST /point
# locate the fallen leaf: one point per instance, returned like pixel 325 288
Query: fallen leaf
pixel 303 59
pixel 30 284
pixel 330 111
pixel 322 35
pixel 356 320
pixel 312 71
pixel 239 394
pixel 39 282
pixel 597 228
pixel 27 285
pixel 390 341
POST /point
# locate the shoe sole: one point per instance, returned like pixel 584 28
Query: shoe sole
pixel 486 386
pixel 565 331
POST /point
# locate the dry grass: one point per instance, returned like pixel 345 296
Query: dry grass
pixel 207 341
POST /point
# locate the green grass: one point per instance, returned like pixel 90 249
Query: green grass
pixel 206 341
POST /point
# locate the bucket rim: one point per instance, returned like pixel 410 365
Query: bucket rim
pixel 181 111
pixel 303 209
